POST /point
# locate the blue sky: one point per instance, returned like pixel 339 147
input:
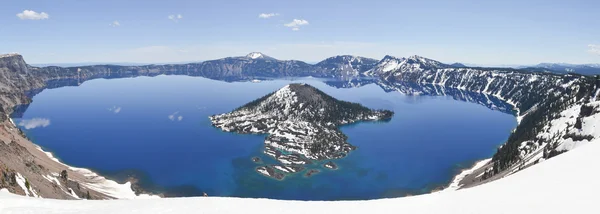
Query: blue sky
pixel 469 31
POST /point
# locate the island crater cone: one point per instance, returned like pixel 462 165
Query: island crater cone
pixel 302 126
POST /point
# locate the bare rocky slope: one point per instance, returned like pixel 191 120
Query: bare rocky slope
pixel 556 112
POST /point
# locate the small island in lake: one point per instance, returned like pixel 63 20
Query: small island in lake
pixel 302 126
pixel 330 165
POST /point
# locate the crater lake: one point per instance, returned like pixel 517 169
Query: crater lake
pixel 157 129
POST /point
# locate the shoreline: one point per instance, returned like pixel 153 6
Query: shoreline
pixel 90 180
pixel 457 182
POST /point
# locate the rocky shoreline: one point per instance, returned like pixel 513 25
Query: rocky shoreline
pixel 47 177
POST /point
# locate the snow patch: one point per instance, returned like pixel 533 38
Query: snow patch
pixel 72 193
pixel 255 55
pixel 21 181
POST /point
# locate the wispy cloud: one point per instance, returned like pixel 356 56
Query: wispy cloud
pixel 115 109
pixel 594 49
pixel 32 15
pixel 115 24
pixel 267 15
pixel 175 18
pixel 34 123
pixel 296 23
pixel 175 117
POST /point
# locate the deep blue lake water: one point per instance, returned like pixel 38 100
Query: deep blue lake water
pixel 160 126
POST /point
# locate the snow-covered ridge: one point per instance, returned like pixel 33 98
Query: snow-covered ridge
pixel 411 64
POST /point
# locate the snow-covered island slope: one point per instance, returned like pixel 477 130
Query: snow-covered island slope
pixel 300 120
pixel 566 184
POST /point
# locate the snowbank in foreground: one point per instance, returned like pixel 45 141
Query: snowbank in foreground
pixel 568 183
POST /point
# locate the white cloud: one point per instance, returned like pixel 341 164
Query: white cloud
pixel 175 18
pixel 115 109
pixel 34 123
pixel 180 118
pixel 115 24
pixel 32 15
pixel 267 15
pixel 296 23
pixel 594 49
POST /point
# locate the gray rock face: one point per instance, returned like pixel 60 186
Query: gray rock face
pixel 15 80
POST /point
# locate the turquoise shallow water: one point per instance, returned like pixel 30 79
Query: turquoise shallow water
pixel 159 127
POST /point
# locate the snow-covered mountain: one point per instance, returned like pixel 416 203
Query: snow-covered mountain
pixel 346 66
pixel 259 55
pixel 300 119
pixel 411 64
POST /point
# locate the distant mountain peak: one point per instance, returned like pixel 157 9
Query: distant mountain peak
pixel 458 65
pixel 417 57
pixel 413 63
pixel 258 55
pixel 347 65
pixel 389 57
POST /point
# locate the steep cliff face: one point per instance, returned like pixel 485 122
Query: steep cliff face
pixel 15 79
